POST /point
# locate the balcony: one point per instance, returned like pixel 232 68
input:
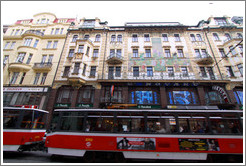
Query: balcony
pixel 33 32
pixel 114 59
pixel 42 66
pixel 19 67
pixel 204 60
pixel 228 40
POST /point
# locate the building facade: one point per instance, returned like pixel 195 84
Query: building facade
pixel 31 53
pixel 151 65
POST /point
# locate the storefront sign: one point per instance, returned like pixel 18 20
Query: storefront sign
pixel 199 144
pixel 162 84
pixel 84 105
pixel 146 107
pixel 62 105
pixel 24 89
pixel 221 91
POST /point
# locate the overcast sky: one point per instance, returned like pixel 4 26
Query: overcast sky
pixel 117 13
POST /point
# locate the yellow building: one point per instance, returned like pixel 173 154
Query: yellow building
pixel 31 53
pixel 146 65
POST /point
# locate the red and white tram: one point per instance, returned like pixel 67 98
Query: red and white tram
pixel 147 134
pixel 23 128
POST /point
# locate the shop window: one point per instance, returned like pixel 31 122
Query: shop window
pixel 144 97
pixel 213 97
pixel 239 96
pixel 64 95
pixel 182 97
pixel 86 95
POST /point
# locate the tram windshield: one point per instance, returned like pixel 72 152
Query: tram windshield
pixel 24 118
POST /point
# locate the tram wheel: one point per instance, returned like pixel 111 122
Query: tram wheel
pixel 89 157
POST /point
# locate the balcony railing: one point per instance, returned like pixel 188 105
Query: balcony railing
pixel 231 39
pixel 35 32
pixel 204 60
pixel 42 66
pixel 114 58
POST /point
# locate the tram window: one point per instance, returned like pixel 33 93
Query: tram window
pixel 101 123
pixel 218 124
pixel 168 122
pixel 199 124
pixel 10 118
pixel 72 121
pixel 130 122
pixel 39 120
pixel 232 123
pixel 54 121
pixel 184 124
pixel 27 120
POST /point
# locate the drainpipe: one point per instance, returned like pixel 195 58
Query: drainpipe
pixel 213 55
pixel 104 52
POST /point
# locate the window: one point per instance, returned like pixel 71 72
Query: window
pixel 192 37
pixel 95 52
pixel 49 44
pixel 170 71
pixel 216 37
pixel 61 31
pixel 119 38
pixel 176 36
pixel 86 37
pixel 203 72
pixel 135 71
pixel 6 45
pixel 229 71
pixel 17 31
pixel 87 51
pixel 43 79
pixel 66 71
pixel 88 23
pixel 27 42
pixel 43 59
pixel 14 77
pixel 165 38
pixel 97 39
pixel 80 49
pixel 228 36
pixel 239 96
pixel 220 21
pixel 204 53
pixel 52 31
pixel 36 43
pixel 43 21
pixel 180 53
pixel 64 96
pixel 76 68
pixel 12 32
pixel 118 72
pixel 55 44
pixel 134 38
pixel 135 53
pixel 197 52
pixel 232 50
pixel 212 97
pixel 118 52
pixel 149 71
pixel 57 31
pixel 144 97
pixel 222 52
pixel 110 72
pixel 6 57
pixel 71 52
pixel 84 69
pixel 184 71
pixel 240 68
pixel 146 37
pixel 12 45
pixel 211 73
pixel 36 79
pixel 167 53
pixel 86 95
pixel 182 97
pixel 20 57
pixel 74 38
pixel 29 59
pixel 22 78
pixel 21 31
pixel 199 37
pixel 113 38
pixel 240 46
pixel 50 59
pixel 239 35
pixel 112 52
pixel 93 71
pixel 148 53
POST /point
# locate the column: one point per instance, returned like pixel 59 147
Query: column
pixel 163 97
pixel 201 95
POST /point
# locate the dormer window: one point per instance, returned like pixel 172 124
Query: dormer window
pixel 43 20
pixel 220 21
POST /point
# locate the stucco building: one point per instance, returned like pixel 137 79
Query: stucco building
pixel 151 65
pixel 31 53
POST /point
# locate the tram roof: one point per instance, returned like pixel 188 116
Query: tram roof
pixel 26 109
pixel 146 110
